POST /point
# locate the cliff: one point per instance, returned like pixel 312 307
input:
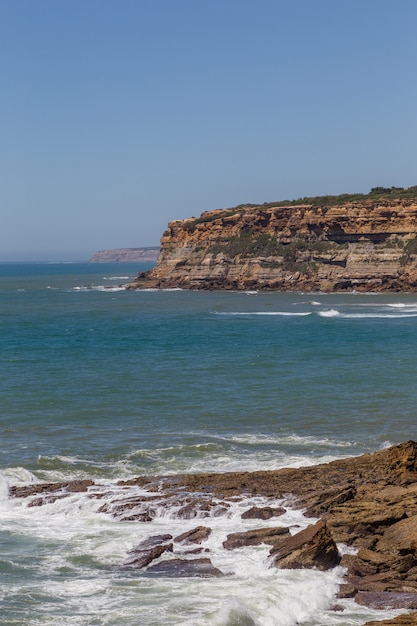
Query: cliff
pixel 367 244
pixel 126 255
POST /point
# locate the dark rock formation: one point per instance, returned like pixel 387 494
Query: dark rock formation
pixel 182 568
pixel 142 558
pixel 264 513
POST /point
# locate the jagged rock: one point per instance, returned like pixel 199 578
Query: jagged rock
pixel 142 558
pixel 369 502
pixel 255 537
pixel 196 535
pixel 264 513
pixel 182 568
pixel 312 547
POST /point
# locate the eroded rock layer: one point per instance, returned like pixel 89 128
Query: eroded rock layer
pixel 366 245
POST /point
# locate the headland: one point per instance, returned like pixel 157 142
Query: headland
pixel 357 242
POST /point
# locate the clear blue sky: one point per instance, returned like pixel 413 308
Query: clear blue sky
pixel 118 116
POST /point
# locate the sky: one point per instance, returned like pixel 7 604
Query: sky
pixel 118 116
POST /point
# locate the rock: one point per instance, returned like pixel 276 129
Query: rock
pixel 312 547
pixel 387 600
pixel 196 535
pixel 142 558
pixel 73 486
pixel 369 502
pixel 255 537
pixel 264 513
pixel 152 541
pixel 183 568
pixel 401 537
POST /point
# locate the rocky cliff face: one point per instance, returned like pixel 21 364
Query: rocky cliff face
pixel 367 245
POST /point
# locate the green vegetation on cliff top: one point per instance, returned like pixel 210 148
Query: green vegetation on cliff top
pixel 376 193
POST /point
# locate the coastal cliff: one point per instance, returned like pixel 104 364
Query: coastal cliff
pixel 126 255
pixel 368 243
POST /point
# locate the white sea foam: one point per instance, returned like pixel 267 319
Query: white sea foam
pixel 102 288
pixel 272 313
pixel 329 313
pixel 79 555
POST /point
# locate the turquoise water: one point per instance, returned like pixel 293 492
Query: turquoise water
pixel 103 383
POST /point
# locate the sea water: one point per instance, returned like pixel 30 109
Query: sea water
pixel 102 383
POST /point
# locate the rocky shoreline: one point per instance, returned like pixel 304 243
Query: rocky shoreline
pixel 363 514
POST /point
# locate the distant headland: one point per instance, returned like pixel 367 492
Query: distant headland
pixel 350 242
pixel 126 255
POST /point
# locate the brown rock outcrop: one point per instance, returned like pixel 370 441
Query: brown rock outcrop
pixel 255 536
pixel 363 245
pixel 312 547
pixel 195 535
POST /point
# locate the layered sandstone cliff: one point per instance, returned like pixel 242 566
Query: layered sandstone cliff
pixel 364 245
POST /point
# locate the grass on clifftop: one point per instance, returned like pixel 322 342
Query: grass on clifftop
pixel 376 193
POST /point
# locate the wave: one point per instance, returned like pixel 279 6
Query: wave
pixel 266 313
pixel 374 315
pixel 103 288
pixel 329 313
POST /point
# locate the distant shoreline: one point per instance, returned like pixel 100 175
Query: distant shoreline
pixel 126 255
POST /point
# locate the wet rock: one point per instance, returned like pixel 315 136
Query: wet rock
pixel 142 558
pixel 183 568
pixel 255 537
pixel 196 535
pixel 387 600
pixel 312 547
pixel 136 517
pixel 74 486
pixel 263 513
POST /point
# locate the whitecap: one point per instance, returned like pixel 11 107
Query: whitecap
pixel 329 313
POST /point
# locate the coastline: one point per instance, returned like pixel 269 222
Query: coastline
pixel 367 504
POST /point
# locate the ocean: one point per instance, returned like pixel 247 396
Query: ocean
pixel 102 383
